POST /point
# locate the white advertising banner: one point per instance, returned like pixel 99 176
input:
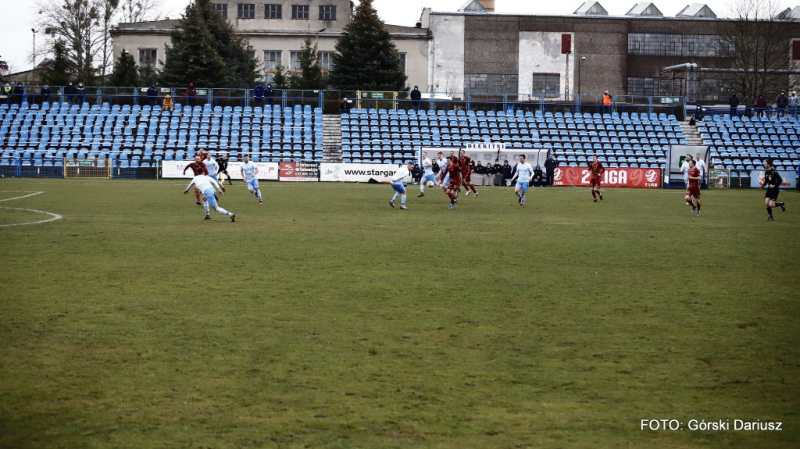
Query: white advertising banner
pixel 357 172
pixel 267 171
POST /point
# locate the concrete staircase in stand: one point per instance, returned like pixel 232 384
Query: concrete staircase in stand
pixel 691 133
pixel 332 138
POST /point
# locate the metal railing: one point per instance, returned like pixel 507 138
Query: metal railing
pixel 330 100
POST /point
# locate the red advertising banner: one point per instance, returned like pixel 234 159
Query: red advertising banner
pixel 299 171
pixel 613 177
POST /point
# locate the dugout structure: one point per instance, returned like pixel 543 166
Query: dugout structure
pixel 87 168
pixel 673 176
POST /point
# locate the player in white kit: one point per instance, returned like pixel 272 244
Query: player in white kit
pixel 249 172
pixel 209 187
pixel 427 174
pixel 523 175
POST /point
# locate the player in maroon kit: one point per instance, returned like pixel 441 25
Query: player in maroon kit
pixel 203 155
pixel 454 172
pixel 694 187
pixel 466 173
pixel 198 168
pixel 596 169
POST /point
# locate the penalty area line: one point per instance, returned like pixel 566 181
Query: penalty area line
pixel 20 197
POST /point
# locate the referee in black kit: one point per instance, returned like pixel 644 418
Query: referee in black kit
pixel 772 182
pixel 223 168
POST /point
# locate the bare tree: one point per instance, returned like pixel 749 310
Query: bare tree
pixel 757 40
pixel 76 22
pixel 140 10
pixel 108 9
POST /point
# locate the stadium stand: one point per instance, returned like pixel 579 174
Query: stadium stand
pixel 140 136
pixel 618 140
pixel 743 143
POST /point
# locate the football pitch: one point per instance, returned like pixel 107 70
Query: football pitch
pixel 327 319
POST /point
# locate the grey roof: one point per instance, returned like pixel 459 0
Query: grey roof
pixel 473 6
pixel 151 25
pixel 644 9
pixel 792 14
pixel 697 10
pixel 591 8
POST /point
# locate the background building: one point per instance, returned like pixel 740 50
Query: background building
pixel 276 31
pixel 475 50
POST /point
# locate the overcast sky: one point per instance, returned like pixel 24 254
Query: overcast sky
pixel 18 16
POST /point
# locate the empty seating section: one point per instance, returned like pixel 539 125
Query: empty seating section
pixel 742 143
pixel 618 140
pixel 140 136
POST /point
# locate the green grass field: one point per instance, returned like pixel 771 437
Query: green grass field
pixel 327 319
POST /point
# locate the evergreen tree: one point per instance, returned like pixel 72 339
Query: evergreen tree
pixel 279 81
pixel 125 73
pixel 365 57
pixel 310 75
pixel 57 71
pixel 206 50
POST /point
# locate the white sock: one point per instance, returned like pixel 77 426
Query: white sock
pixel 421 187
pixel 222 211
pixel 395 196
pixel 403 200
pixel 205 204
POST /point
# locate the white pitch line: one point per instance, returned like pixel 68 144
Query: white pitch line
pixel 20 197
pixel 53 216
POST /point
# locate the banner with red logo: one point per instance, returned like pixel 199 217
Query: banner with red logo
pixel 299 171
pixel 612 177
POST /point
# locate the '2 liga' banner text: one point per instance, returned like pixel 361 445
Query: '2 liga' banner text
pixel 267 171
pixel 612 177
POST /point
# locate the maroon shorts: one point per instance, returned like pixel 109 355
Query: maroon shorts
pixel 454 186
pixel 466 178
pixel 693 191
pixel 594 182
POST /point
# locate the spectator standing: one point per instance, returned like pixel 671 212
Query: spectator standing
pixel 761 105
pixel 793 102
pixel 508 172
pixel 8 91
pixel 80 93
pixel 45 93
pixel 550 169
pixel 69 92
pixel 169 104
pixel 782 102
pixel 606 103
pixel 191 95
pixel 19 93
pixel 538 176
pixel 749 102
pixel 152 93
pixel 416 98
pixel 345 106
pixel 498 173
pixel 258 93
pixel 734 103
pixel 269 92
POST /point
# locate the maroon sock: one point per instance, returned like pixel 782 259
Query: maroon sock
pixel 698 207
pixel 473 189
pixel 594 195
pixel 690 202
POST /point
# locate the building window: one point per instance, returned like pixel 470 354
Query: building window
pixel 294 60
pixel 222 8
pixel 546 84
pixel 325 61
pixel 685 45
pixel 246 11
pixel 327 12
pixel 273 11
pixel 795 50
pixel 403 61
pixel 300 12
pixel 148 57
pixel 272 59
pixel 253 55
